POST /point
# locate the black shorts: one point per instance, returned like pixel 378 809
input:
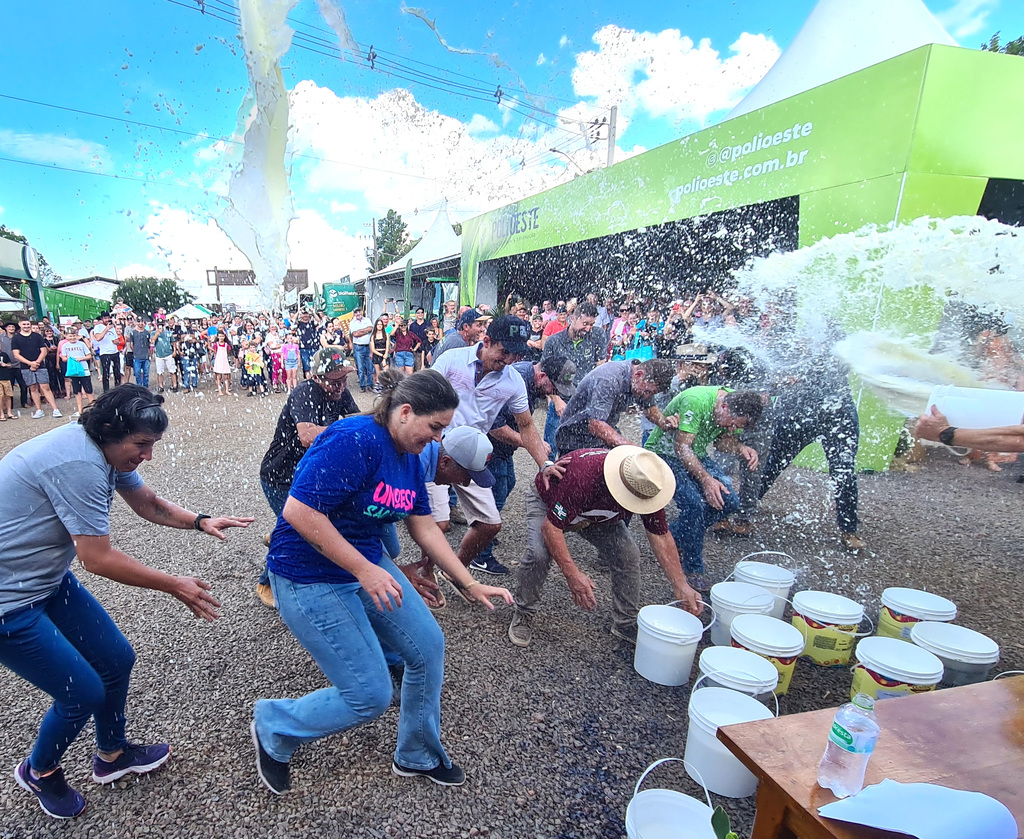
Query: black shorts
pixel 81 383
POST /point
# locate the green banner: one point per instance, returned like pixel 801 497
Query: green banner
pixel 339 299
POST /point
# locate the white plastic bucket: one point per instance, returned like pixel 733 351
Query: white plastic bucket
pixel 731 599
pixel 667 814
pixel 829 625
pixel 779 642
pixel 903 607
pixel 888 667
pixel 666 642
pixel 736 669
pixel 966 655
pixel 720 770
pixel 975 407
pixel 774 579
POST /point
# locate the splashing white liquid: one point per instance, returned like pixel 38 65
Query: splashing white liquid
pixel 887 288
pixel 260 208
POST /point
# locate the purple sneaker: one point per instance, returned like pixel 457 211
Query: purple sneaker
pixel 52 791
pixel 134 758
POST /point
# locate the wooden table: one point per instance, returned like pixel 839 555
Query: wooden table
pixel 969 738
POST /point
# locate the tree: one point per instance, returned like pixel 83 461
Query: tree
pixel 393 241
pixel 147 294
pixel 1015 47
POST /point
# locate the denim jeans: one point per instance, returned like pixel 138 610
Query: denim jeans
pixel 189 374
pixel 614 545
pixel 68 647
pixel 504 472
pixel 364 367
pixel 141 366
pixel 695 514
pixel 551 429
pixel 276 498
pixel 343 630
pixel 307 358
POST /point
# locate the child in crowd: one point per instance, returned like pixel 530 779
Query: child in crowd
pixel 76 354
pixel 254 366
pixel 6 387
pixel 221 365
pixel 191 355
pixel 290 359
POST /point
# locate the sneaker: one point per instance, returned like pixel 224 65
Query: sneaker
pixel 489 566
pixel 266 595
pixel 56 413
pixel 852 542
pixel 160 391
pixel 520 631
pixel 440 774
pixel 457 516
pixel 273 773
pixel 75 415
pixel 38 415
pixel 625 633
pixel 53 793
pixel 698 582
pixel 134 759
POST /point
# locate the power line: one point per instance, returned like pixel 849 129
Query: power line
pixel 100 174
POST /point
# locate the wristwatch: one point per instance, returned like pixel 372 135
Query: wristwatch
pixel 547 463
pixel 946 435
pixel 198 521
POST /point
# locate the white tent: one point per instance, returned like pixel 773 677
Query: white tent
pixel 191 312
pixel 840 37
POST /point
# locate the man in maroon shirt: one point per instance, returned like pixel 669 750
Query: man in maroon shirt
pixel 597 496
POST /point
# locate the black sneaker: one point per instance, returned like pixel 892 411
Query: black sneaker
pixel 52 792
pixel 489 566
pixel 273 773
pixel 133 759
pixel 440 774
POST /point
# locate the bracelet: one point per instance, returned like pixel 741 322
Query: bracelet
pixel 198 521
pixel 547 463
pixel 464 588
pixel 946 435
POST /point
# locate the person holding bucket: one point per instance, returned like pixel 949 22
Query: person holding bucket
pixel 597 496
pixel 935 427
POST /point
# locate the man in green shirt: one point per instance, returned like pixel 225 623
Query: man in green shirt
pixel 704 495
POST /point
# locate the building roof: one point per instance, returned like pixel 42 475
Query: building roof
pixel 841 37
pixel 68 284
pixel 440 250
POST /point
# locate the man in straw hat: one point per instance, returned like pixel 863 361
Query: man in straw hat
pixel 597 496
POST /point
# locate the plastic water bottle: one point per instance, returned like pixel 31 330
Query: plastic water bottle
pixel 850 744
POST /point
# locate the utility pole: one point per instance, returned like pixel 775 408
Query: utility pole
pixel 611 134
pixel 376 255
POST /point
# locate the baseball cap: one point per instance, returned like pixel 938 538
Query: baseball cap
pixel 512 332
pixel 471 316
pixel 329 360
pixel 471 449
pixel 562 372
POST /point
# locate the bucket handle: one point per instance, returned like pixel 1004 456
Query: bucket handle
pixel 687 764
pixel 754 695
pixel 767 553
pixel 714 614
pixel 1008 673
pixel 866 617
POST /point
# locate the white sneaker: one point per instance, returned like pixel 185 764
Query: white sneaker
pixel 57 413
pixel 38 415
pixel 75 415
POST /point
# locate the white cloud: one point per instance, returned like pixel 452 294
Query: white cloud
pixel 1 211
pixel 480 124
pixel 541 60
pixel 967 17
pixel 564 42
pixel 665 74
pixel 54 149
pixel 338 207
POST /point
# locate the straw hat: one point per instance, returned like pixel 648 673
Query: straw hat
pixel 638 479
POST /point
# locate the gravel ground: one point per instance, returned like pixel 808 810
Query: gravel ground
pixel 553 737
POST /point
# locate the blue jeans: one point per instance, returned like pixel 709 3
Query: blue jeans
pixel 343 630
pixel 189 374
pixel 68 647
pixel 141 366
pixel 551 429
pixel 404 359
pixel 504 472
pixel 364 367
pixel 307 358
pixel 695 514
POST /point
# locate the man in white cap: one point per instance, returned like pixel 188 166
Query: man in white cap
pixel 597 496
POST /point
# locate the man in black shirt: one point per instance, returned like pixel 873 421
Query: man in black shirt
pixel 310 408
pixel 29 348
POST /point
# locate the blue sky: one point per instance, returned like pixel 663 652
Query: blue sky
pixel 366 139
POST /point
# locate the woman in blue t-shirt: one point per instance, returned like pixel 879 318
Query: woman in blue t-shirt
pixel 343 598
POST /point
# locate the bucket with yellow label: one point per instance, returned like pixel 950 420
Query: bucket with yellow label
pixel 888 668
pixel 770 638
pixel 903 607
pixel 828 623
